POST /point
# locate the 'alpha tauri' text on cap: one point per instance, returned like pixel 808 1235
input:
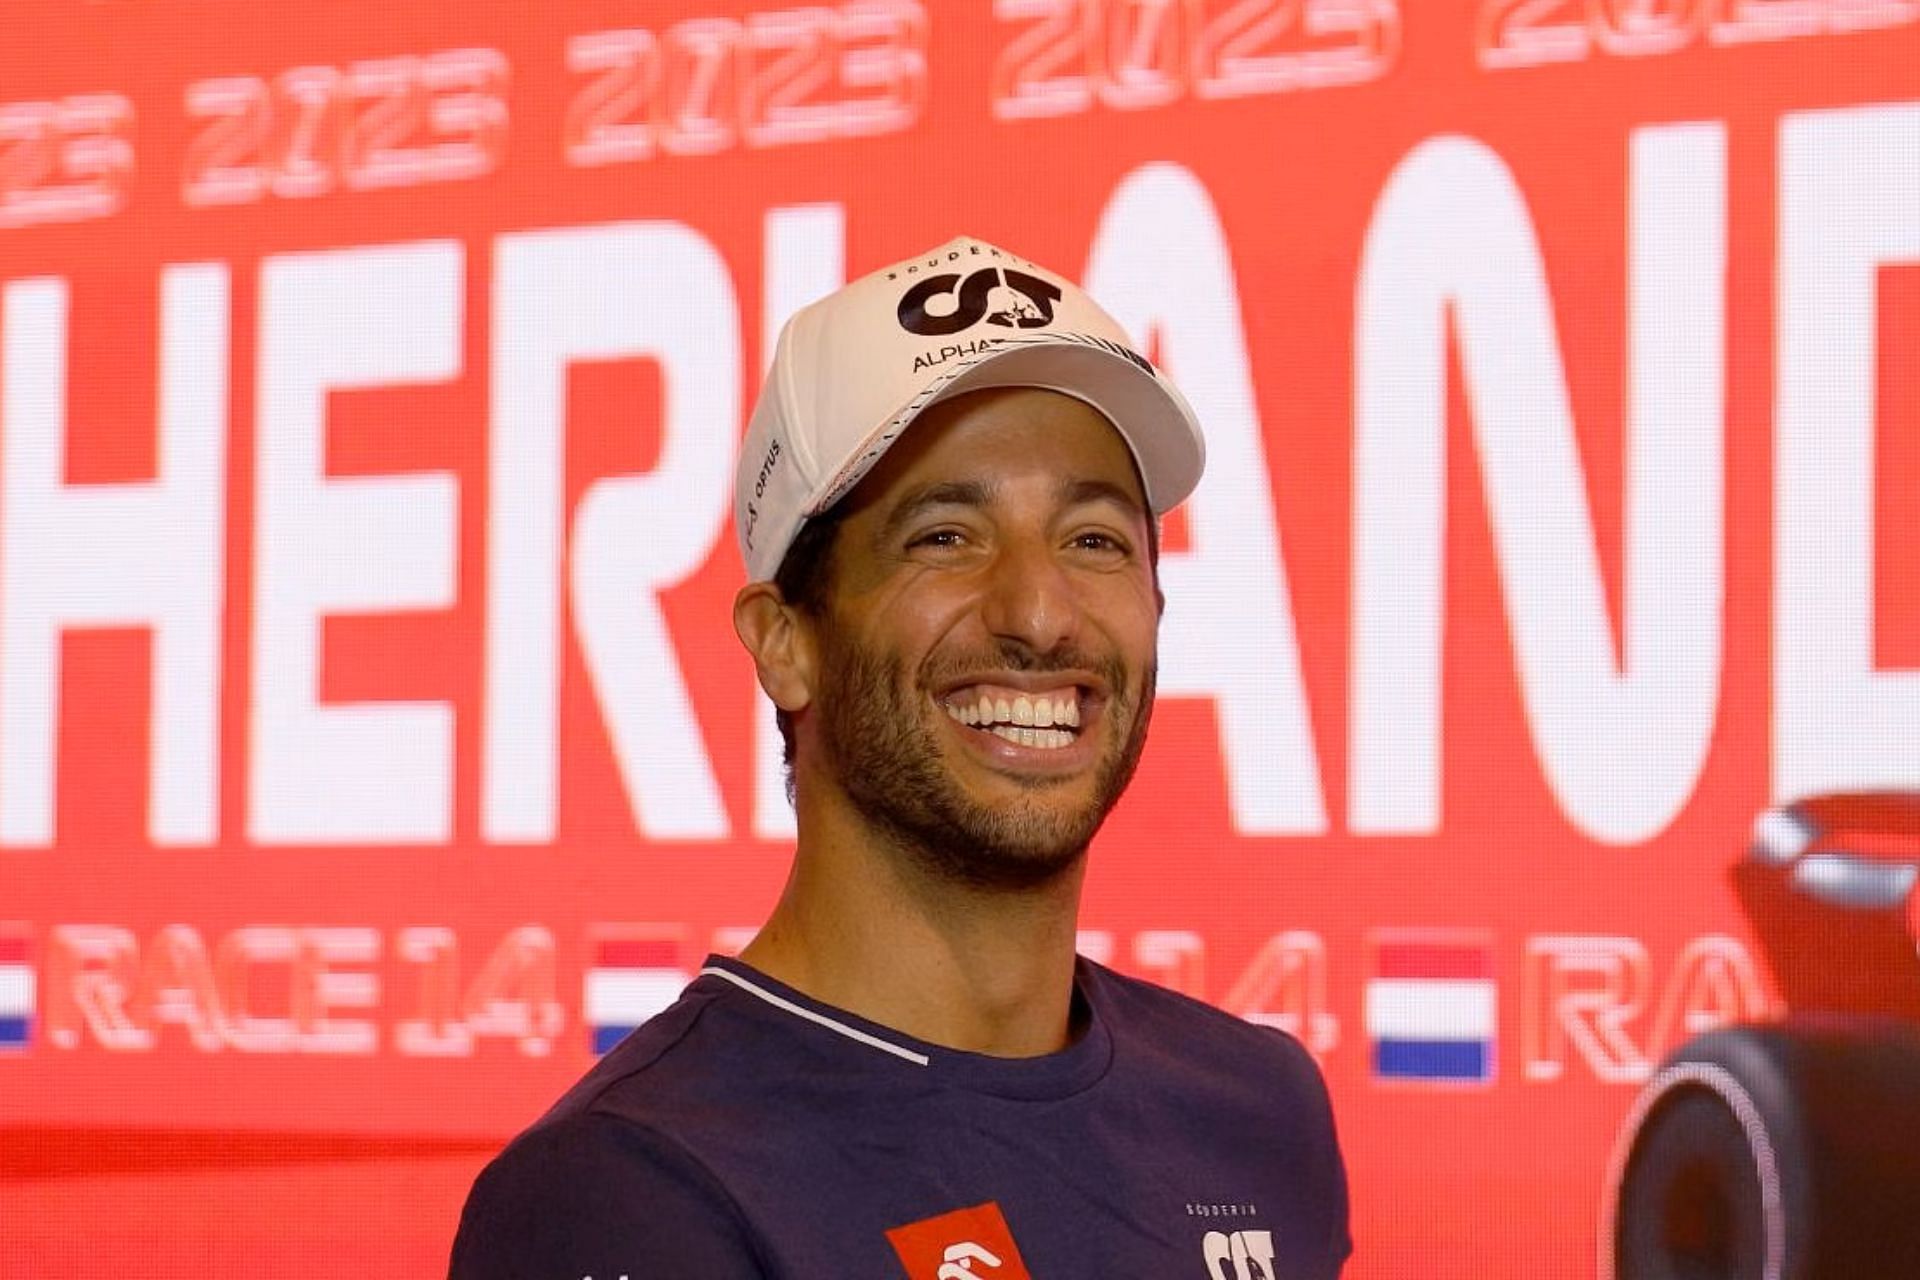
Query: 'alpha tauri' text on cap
pixel 853 370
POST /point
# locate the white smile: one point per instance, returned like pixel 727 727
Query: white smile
pixel 1043 720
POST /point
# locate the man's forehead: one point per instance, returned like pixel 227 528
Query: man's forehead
pixel 969 449
pixel 1066 490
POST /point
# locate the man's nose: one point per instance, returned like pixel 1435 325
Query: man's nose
pixel 1030 598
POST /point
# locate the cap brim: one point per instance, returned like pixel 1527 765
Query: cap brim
pixel 1150 414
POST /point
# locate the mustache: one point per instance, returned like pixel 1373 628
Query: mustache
pixel 1013 655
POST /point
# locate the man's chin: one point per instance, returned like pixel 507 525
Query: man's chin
pixel 999 868
pixel 1014 844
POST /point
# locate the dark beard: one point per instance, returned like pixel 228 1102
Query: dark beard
pixel 889 764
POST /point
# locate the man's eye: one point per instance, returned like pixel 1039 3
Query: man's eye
pixel 1093 540
pixel 939 538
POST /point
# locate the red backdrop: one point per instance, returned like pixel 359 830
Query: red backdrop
pixel 370 382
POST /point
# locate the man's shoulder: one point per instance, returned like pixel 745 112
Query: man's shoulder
pixel 1175 1035
pixel 717 1062
pixel 583 1146
pixel 662 1053
pixel 711 1049
pixel 584 1194
pixel 606 1174
pixel 1136 1004
pixel 1233 1080
pixel 607 1127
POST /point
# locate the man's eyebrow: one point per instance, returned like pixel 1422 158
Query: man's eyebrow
pixel 1079 492
pixel 940 493
pixel 974 493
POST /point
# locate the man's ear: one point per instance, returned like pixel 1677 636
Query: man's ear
pixel 781 642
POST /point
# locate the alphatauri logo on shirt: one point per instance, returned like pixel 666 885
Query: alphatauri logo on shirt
pixel 966 1244
pixel 1239 1255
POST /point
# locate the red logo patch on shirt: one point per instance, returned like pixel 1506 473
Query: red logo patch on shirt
pixel 966 1244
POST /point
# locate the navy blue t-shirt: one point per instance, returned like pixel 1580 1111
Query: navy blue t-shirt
pixel 750 1131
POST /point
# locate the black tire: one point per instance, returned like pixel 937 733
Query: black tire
pixel 1787 1152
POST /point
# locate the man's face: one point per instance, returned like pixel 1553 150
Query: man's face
pixel 987 647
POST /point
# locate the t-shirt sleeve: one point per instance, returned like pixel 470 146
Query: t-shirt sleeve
pixel 1310 1121
pixel 597 1198
pixel 1339 1227
pixel 1333 1163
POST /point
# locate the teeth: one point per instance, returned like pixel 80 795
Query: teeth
pixel 1043 739
pixel 1054 712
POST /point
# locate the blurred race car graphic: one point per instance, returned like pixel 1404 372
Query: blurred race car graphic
pixel 1828 885
pixel 1791 1150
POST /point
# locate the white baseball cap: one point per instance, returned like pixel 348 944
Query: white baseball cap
pixel 853 370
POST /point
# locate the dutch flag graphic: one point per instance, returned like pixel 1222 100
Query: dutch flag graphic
pixel 629 979
pixel 16 989
pixel 1432 1008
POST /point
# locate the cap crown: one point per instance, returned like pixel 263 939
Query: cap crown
pixel 851 372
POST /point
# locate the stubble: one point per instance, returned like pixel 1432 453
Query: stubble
pixel 888 759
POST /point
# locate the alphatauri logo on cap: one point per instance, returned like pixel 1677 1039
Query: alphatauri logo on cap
pixel 945 304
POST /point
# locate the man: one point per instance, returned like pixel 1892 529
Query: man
pixel 947 505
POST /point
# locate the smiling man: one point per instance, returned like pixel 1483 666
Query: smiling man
pixel 947 505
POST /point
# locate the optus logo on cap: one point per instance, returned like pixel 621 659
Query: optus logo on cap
pixel 934 307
